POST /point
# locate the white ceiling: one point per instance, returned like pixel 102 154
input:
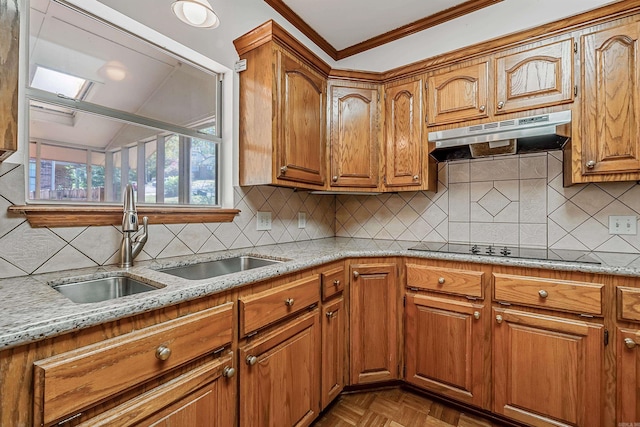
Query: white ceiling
pixel 344 23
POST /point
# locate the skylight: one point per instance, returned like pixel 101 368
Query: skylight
pixel 57 82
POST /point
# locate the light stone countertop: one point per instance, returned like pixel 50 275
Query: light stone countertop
pixel 32 310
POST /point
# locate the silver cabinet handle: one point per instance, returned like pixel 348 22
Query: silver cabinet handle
pixel 283 170
pixel 476 315
pixel 331 314
pixel 163 352
pixel 631 344
pixel 251 360
pixel 500 105
pixel 289 302
pixel 441 280
pixel 499 318
pixel 356 274
pixel 228 372
pixel 591 164
pixel 334 178
pixel 416 177
pixel 543 293
pixel 336 282
pixel 482 108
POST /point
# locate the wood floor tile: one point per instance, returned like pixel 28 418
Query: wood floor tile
pixel 394 408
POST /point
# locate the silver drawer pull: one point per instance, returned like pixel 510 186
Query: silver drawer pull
pixel 631 344
pixel 336 282
pixel 543 293
pixel 476 315
pixel 499 318
pixel 163 352
pixel 251 360
pixel 289 302
pixel 441 280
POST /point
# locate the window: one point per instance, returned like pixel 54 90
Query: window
pixel 107 108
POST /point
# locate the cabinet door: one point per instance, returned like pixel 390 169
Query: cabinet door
pixel 534 78
pixel 445 347
pixel 333 340
pixel 628 376
pixel 373 323
pixel 611 101
pixel 355 140
pixel 280 374
pixel 548 371
pixel 301 135
pixel 403 134
pixel 457 95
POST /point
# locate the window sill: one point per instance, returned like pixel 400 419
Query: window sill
pixel 74 216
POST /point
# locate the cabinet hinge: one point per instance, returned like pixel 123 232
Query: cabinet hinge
pixel 606 337
pixel 217 351
pixel 404 301
pixel 252 334
pixel 472 298
pixel 312 306
pixel 575 90
pixel 412 289
pixel 588 316
pixel 404 372
pixel 378 96
pixel 575 47
pixel 503 303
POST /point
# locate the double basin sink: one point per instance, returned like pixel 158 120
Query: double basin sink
pixel 117 286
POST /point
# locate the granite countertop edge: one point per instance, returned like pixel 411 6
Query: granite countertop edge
pixel 33 311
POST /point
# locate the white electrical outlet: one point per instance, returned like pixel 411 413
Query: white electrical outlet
pixel 620 224
pixel 263 221
pixel 302 219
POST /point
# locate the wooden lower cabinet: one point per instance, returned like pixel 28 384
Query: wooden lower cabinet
pixel 548 371
pixel 445 347
pixel 628 376
pixel 280 374
pixel 333 349
pixel 373 323
pixel 209 401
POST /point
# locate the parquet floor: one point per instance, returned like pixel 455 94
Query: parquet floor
pixel 394 408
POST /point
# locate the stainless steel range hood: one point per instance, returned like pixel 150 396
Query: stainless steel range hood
pixel 515 136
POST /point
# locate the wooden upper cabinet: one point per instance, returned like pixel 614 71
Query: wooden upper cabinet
pixel 456 95
pixel 538 77
pixel 611 101
pixel 9 32
pixel 354 136
pixel 301 122
pixel 403 134
pixel 548 371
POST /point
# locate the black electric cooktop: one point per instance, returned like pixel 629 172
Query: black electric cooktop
pixel 507 251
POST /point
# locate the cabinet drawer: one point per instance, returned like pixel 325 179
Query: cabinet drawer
pixel 332 282
pixel 446 280
pixel 555 294
pixel 69 382
pixel 265 308
pixel 628 304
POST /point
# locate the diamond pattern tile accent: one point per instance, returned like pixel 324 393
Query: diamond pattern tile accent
pixel 493 202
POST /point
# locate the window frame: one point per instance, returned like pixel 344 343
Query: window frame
pixel 43 213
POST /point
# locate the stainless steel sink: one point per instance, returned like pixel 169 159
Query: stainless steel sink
pixel 102 289
pixel 209 269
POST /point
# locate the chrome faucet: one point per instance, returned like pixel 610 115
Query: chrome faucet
pixel 132 243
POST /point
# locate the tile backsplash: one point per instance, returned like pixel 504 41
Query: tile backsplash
pixel 27 250
pixel 514 200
